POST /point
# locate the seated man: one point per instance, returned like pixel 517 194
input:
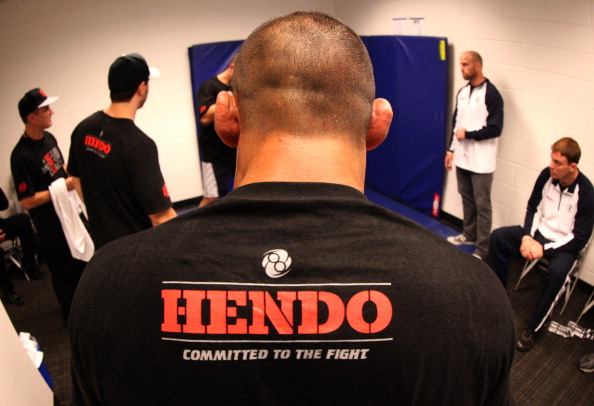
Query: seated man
pixel 558 224
pixel 17 225
pixel 307 293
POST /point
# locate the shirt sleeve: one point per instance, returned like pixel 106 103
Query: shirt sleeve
pixel 22 174
pixel 146 178
pixel 3 200
pixel 583 224
pixel 494 126
pixel 534 201
pixel 207 96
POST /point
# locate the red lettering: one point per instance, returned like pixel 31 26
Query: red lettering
pixel 240 326
pixel 170 323
pixel 264 305
pixel 193 311
pixel 265 312
pixel 355 311
pixel 97 144
pixel 310 309
pixel 218 312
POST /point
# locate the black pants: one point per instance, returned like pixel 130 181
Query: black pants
pixel 66 272
pixel 504 243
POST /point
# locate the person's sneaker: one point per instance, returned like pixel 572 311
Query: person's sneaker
pixel 527 340
pixel 587 363
pixel 459 239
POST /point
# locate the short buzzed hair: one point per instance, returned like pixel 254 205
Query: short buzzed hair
pixel 305 73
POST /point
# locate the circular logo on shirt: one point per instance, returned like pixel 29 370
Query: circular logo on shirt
pixel 276 263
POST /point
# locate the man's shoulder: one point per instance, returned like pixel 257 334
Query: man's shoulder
pixel 90 120
pixel 586 186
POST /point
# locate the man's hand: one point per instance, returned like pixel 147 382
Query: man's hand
pixel 448 160
pixel 531 249
pixel 461 134
pixel 69 184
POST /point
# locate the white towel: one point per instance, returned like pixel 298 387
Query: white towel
pixel 68 207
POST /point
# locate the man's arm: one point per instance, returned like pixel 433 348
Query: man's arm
pixel 77 187
pixel 3 200
pixel 42 197
pixel 530 248
pixel 208 116
pixel 494 125
pixel 38 199
pixel 162 216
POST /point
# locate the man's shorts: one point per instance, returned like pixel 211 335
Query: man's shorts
pixel 217 178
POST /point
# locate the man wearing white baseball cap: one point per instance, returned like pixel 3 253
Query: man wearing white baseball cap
pixel 115 165
pixel 36 162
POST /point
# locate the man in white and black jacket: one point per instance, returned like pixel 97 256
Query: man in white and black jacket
pixel 558 224
pixel 477 125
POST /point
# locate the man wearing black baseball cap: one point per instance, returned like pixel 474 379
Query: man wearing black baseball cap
pixel 36 162
pixel 114 164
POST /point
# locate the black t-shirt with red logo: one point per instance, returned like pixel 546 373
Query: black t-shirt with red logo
pixel 35 164
pixel 290 294
pixel 211 148
pixel 118 166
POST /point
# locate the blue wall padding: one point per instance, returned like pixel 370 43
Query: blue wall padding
pixel 411 72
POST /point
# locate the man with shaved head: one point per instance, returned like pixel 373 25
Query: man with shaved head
pixel 477 125
pixel 309 293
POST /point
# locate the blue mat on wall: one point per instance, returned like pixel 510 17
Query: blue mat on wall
pixel 411 73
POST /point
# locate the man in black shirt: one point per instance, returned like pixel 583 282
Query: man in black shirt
pixel 217 159
pixel 114 164
pixel 36 161
pixel 294 289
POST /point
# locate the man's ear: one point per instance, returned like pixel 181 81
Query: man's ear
pixel 226 119
pixel 380 123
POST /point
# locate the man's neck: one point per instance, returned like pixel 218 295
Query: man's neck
pixel 33 133
pixel 477 80
pixel 287 159
pixel 569 179
pixel 121 110
pixel 224 77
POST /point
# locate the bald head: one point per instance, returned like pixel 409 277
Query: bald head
pixel 471 66
pixel 305 74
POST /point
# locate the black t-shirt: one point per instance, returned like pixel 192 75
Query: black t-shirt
pixel 290 294
pixel 212 149
pixel 35 164
pixel 121 179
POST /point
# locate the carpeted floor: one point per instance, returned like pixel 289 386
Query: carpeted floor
pixel 546 375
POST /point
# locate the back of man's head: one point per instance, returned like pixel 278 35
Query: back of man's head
pixel 306 74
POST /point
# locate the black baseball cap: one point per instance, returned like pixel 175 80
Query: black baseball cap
pixel 32 100
pixel 128 71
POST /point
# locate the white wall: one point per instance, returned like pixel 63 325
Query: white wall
pixel 66 46
pixel 539 53
pixel 21 384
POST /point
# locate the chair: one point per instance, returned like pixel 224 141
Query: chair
pixel 568 285
pixel 587 306
pixel 14 252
